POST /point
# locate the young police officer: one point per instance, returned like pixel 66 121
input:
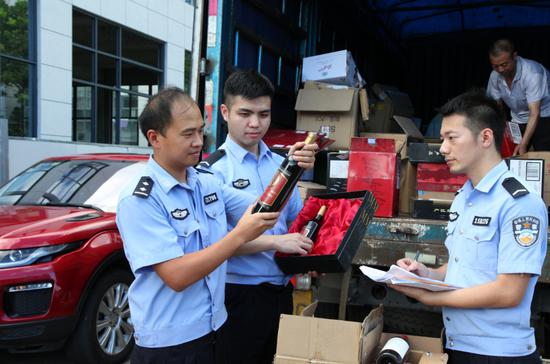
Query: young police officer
pixel 496 238
pixel 173 225
pixel 257 292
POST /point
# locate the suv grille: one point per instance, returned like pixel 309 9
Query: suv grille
pixel 27 303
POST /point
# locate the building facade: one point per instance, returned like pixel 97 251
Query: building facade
pixel 75 74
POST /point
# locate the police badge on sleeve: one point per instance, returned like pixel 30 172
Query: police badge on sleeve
pixel 526 230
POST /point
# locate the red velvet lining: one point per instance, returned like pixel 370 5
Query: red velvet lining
pixel 338 217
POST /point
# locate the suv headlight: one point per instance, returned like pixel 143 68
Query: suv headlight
pixel 21 257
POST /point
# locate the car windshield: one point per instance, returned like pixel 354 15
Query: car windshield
pixel 71 182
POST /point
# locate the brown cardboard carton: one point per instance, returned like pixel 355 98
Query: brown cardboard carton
pixel 333 112
pixel 307 189
pixel 407 186
pixel 409 132
pixel 436 195
pixel 546 177
pixel 304 339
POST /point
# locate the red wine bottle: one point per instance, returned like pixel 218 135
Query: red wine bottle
pixel 281 186
pixel 313 226
pixel 393 352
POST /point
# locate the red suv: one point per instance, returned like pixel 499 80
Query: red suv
pixel 64 278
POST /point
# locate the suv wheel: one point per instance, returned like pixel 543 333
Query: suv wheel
pixel 104 333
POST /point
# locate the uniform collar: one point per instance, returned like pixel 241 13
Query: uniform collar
pixel 167 181
pixel 519 68
pixel 492 177
pixel 240 153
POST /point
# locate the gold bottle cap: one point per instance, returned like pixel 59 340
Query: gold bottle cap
pixel 311 137
pixel 322 210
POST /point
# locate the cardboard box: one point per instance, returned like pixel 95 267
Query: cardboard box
pixel 435 195
pixel 544 156
pixel 340 261
pixel 425 153
pixel 438 177
pixel 407 134
pixel 337 171
pixel 310 188
pixel 306 339
pixel 336 68
pixel 407 186
pixel 333 112
pixel 389 102
pixel 283 139
pixel 374 166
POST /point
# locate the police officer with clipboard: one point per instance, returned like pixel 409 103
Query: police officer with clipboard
pixel 496 239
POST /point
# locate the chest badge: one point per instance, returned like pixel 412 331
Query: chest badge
pixel 241 183
pixel 180 214
pixel 453 216
pixel 208 199
pixel 481 220
pixel 526 230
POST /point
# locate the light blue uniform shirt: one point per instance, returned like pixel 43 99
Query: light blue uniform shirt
pixel 489 233
pixel 240 169
pixel 530 84
pixel 176 219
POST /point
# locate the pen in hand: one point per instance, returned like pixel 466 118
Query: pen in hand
pixel 417 255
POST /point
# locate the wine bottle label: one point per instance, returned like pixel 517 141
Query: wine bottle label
pixel 397 344
pixel 306 230
pixel 274 189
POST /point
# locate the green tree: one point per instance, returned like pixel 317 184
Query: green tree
pixel 14 79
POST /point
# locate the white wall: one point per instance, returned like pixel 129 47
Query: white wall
pixel 170 21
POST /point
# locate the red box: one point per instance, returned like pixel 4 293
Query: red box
pixel 437 177
pixel 373 166
pixel 508 145
pixel 285 138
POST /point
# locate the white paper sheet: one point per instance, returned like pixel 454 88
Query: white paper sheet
pixel 399 276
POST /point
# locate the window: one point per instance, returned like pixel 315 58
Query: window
pixel 187 71
pixel 18 66
pixel 115 71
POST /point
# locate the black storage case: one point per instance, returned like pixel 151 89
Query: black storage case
pixel 341 260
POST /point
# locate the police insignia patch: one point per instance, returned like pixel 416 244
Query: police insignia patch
pixel 453 215
pixel 241 183
pixel 526 230
pixel 179 214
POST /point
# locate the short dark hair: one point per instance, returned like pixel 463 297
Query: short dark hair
pixel 480 112
pixel 248 84
pixel 157 114
pixel 502 46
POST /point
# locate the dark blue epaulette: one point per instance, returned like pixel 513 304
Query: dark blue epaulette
pixel 144 187
pixel 212 158
pixel 200 169
pixel 514 187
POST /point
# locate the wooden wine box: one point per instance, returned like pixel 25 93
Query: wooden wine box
pixel 340 235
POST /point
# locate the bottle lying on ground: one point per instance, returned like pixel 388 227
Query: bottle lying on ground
pixel 393 352
pixel 281 186
pixel 313 226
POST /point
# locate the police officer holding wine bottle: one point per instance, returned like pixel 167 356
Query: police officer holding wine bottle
pixel 257 291
pixel 173 223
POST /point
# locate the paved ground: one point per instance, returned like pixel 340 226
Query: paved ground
pixel 56 357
